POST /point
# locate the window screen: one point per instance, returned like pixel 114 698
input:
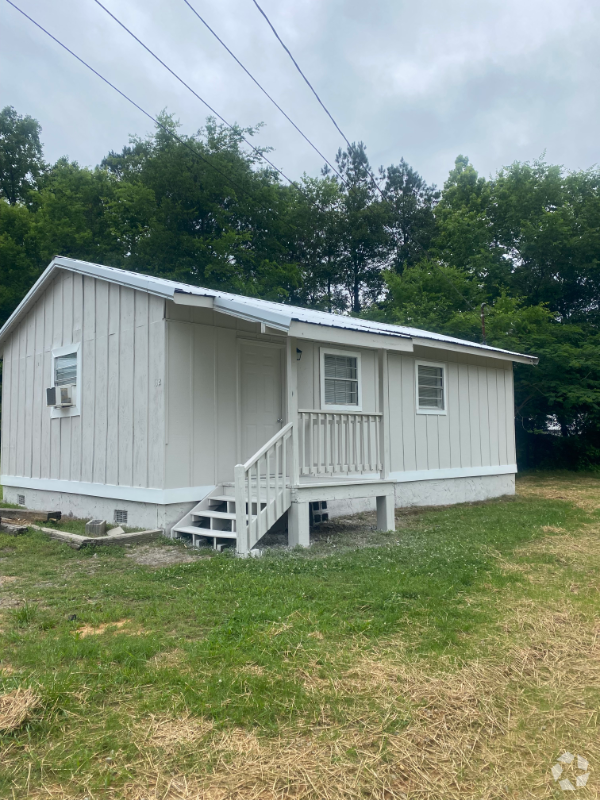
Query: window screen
pixel 341 380
pixel 65 369
pixel 431 387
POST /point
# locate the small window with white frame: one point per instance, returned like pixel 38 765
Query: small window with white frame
pixel 431 387
pixel 66 379
pixel 340 380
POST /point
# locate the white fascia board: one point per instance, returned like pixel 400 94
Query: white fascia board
pixel 195 300
pixel 503 355
pixel 144 283
pixel 138 494
pixel 347 336
pixel 245 310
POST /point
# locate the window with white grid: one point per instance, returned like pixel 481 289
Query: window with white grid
pixel 340 380
pixel 431 388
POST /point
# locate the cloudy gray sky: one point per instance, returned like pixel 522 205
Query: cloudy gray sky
pixel 498 80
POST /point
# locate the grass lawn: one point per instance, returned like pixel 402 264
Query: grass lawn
pixel 455 658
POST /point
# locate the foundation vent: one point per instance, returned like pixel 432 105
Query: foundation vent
pixel 120 517
pixel 20 499
pixel 318 512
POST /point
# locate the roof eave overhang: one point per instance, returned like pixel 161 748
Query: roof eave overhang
pixel 485 352
pixel 331 334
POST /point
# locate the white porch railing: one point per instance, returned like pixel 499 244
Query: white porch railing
pixel 339 443
pixel 262 488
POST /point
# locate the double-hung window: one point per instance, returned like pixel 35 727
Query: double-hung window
pixel 340 380
pixel 66 371
pixel 431 388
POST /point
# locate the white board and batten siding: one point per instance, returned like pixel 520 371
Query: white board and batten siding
pixel 476 432
pixel 118 437
pixel 203 439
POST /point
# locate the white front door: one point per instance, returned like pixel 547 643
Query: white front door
pixel 261 395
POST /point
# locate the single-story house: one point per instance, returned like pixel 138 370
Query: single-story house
pixel 215 416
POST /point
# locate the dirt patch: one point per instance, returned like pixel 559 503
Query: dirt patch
pixel 9 601
pixel 168 660
pixel 90 630
pixel 16 707
pixel 5 579
pixel 156 555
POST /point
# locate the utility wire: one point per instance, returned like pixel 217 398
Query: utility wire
pixel 312 88
pixel 154 119
pixel 263 90
pixel 133 103
pixel 196 95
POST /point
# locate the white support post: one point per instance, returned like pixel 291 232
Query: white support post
pixel 292 406
pixel 385 513
pixel 384 406
pixel 298 524
pixel 241 520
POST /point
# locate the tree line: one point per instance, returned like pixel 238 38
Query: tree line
pixel 521 247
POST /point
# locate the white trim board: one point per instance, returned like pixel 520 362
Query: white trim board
pixel 138 494
pixel 456 472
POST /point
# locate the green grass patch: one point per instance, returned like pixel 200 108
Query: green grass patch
pixel 226 639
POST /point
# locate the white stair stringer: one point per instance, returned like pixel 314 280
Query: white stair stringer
pixel 213 519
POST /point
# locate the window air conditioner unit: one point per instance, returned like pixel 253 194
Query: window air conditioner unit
pixel 60 396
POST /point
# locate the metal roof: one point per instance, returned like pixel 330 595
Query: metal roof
pixel 276 315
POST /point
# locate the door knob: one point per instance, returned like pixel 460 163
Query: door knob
pixel 280 419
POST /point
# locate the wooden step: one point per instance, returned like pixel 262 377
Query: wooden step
pixel 206 532
pixel 213 514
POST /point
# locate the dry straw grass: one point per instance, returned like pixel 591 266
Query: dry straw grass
pixel 16 707
pixel 581 491
pixel 418 730
pixel 91 630
pixel 486 730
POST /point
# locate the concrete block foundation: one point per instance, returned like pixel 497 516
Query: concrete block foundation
pixel 139 515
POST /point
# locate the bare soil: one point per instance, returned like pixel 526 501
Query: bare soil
pixel 161 555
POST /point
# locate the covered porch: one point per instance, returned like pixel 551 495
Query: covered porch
pixel 318 455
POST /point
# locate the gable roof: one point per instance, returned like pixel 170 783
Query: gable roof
pixel 275 315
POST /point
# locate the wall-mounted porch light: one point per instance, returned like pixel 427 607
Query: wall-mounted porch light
pixel 298 354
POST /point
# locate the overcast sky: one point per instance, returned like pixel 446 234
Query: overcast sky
pixel 497 80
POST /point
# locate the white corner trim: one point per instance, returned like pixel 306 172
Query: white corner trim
pixel 456 472
pixel 138 494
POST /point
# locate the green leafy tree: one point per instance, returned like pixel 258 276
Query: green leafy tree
pixel 411 223
pixel 365 242
pixel 21 161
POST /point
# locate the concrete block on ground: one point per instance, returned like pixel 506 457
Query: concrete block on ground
pixel 95 527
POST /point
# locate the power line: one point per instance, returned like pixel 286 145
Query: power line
pixel 263 90
pixel 312 88
pixel 308 83
pixel 133 103
pixel 196 95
